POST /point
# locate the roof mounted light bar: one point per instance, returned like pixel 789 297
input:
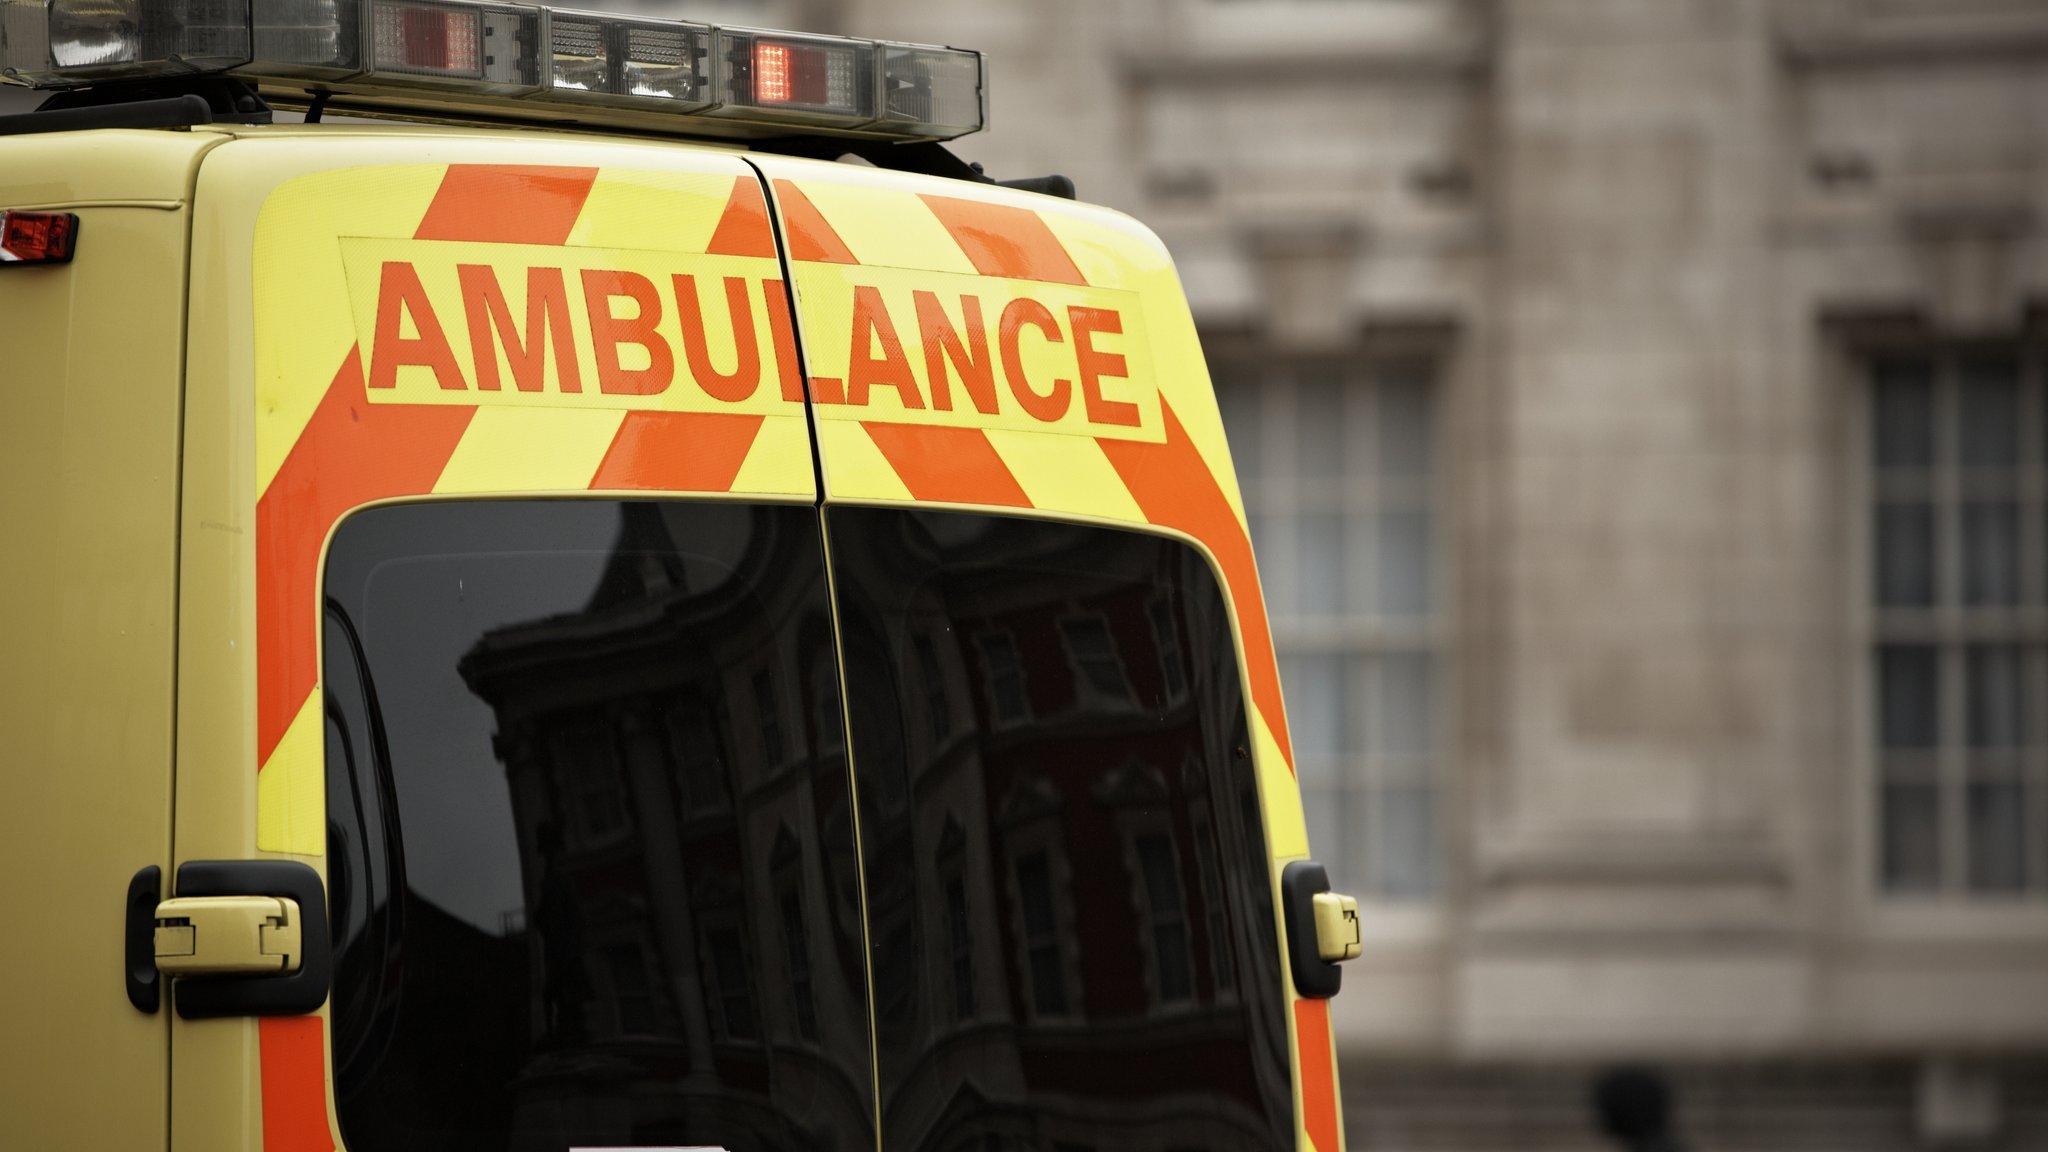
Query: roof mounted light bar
pixel 514 61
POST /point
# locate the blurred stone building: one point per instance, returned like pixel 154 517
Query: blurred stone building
pixel 1641 409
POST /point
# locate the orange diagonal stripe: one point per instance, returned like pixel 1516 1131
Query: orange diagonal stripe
pixel 810 236
pixel 951 465
pixel 1004 241
pixel 351 452
pixel 1175 489
pixel 743 228
pixel 1318 1078
pixel 678 451
pixel 507 204
pixel 293 1060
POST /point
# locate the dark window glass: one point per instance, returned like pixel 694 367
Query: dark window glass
pixel 1905 554
pixel 1078 794
pixel 1906 679
pixel 569 833
pixel 1905 414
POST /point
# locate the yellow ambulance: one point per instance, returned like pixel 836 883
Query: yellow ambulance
pixel 607 592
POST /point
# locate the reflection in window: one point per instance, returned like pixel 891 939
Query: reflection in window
pixel 1340 482
pixel 548 924
pixel 1959 650
pixel 1005 674
pixel 596 797
pixel 768 710
pixel 959 933
pixel 940 713
pixel 825 707
pixel 1165 918
pixel 1041 934
pixel 1093 651
pixel 796 951
pixel 1173 675
pixel 959 947
pixel 632 992
pixel 1080 814
pixel 729 990
pixel 1223 965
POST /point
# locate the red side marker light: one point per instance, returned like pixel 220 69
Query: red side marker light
pixel 37 237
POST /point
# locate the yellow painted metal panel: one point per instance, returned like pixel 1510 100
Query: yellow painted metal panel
pixel 859 470
pixel 88 495
pixel 529 449
pixel 1066 472
pixel 779 462
pixel 291 796
pixel 110 165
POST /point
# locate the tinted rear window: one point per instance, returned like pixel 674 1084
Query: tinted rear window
pixel 590 839
pixel 1068 892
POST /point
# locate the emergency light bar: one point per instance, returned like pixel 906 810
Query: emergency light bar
pixel 508 59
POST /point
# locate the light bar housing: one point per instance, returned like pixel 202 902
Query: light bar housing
pixel 452 59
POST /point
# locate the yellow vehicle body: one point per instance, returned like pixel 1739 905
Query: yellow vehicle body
pixel 267 330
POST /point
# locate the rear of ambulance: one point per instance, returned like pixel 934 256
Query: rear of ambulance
pixel 753 653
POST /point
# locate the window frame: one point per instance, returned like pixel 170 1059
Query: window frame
pixel 1365 775
pixel 1951 911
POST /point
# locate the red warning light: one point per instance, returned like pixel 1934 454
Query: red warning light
pixel 771 73
pixel 820 76
pixel 37 237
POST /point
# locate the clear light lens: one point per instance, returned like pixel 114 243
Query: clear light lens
pixel 933 92
pixel 84 33
pixel 580 60
pixel 810 78
pixel 626 60
pixel 67 42
pixel 308 37
pixel 662 62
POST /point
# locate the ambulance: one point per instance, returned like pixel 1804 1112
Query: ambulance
pixel 606 591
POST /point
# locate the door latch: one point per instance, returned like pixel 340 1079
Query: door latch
pixel 1322 929
pixel 1337 934
pixel 228 936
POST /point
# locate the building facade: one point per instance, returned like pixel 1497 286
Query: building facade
pixel 1640 407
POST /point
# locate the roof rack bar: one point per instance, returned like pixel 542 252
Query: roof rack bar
pixel 169 112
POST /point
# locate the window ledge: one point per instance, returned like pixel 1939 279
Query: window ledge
pixel 1935 920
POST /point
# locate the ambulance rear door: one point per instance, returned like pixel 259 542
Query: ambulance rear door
pixel 503 616
pixel 1070 757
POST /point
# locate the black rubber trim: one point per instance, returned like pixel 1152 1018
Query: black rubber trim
pixel 172 112
pixel 204 997
pixel 1314 977
pixel 923 157
pixel 145 986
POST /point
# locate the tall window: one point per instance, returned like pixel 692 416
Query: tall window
pixel 1960 622
pixel 1339 469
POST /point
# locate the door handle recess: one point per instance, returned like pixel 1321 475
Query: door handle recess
pixel 228 936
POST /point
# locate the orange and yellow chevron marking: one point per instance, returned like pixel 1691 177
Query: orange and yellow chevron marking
pixel 507 329
pixel 503 329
